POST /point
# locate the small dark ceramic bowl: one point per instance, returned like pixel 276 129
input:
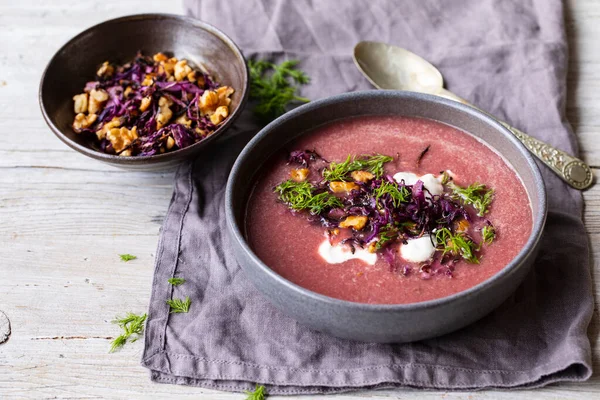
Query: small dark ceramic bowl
pixel 373 322
pixel 118 40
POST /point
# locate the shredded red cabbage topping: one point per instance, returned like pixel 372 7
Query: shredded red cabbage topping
pixel 149 106
pixel 360 205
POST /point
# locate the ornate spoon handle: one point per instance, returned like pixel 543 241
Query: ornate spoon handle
pixel 570 169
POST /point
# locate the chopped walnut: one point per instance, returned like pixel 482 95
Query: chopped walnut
pixel 354 221
pixel 299 175
pixel 343 187
pixel 170 143
pixel 120 138
pixel 167 67
pixel 462 225
pixel 97 100
pixel 81 103
pixel 372 248
pixel 182 70
pixel 148 79
pixel 184 120
pixel 83 121
pixel 127 91
pixel 209 101
pixel 113 123
pixel 158 57
pixel 191 76
pixel 165 113
pixel 105 70
pixel 224 92
pixel 146 101
pixel 219 115
pixel 362 176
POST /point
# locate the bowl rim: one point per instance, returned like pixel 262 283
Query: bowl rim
pixel 539 218
pixel 138 160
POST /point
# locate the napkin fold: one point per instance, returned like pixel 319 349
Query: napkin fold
pixel 507 57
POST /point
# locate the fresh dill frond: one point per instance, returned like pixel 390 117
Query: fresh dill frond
pixel 179 306
pixel 176 281
pixel 372 164
pixel 274 87
pixel 131 324
pixel 398 194
pixel 477 195
pixel 488 234
pixel 127 257
pixel 456 244
pixel 259 393
pixel 301 196
pixel 386 234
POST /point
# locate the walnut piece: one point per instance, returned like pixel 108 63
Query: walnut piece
pixel 97 100
pixel 208 102
pixel 343 187
pixel 354 221
pixel 219 115
pixel 181 70
pixel 105 70
pixel 299 175
pixel 362 176
pixel 164 114
pixel 113 123
pixel 146 101
pixel 83 121
pixel 184 120
pixel 170 143
pixel 81 103
pixel 120 138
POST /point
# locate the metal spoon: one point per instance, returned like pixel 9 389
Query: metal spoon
pixel 391 67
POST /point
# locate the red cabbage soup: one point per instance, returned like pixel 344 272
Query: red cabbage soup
pixel 387 210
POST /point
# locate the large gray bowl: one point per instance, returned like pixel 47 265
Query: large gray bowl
pixel 369 322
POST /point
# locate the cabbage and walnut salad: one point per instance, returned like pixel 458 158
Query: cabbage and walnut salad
pixel 149 106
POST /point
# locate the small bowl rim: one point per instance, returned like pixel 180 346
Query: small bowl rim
pixel 539 218
pixel 157 158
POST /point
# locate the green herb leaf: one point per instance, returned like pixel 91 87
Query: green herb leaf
pixel 301 196
pixel 132 325
pixel 179 306
pixel 456 244
pixel 398 194
pixel 274 87
pixel 477 195
pixel 340 171
pixel 259 393
pixel 488 234
pixel 176 281
pixel 127 257
pixel 386 234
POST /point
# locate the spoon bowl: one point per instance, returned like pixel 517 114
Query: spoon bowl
pixel 403 69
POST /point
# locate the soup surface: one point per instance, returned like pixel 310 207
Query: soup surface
pixel 288 242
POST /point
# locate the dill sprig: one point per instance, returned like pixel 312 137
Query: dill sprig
pixel 386 234
pixel 477 195
pixel 372 164
pixel 398 194
pixel 301 196
pixel 132 325
pixel 127 257
pixel 176 281
pixel 179 306
pixel 259 393
pixel 274 87
pixel 456 244
pixel 488 234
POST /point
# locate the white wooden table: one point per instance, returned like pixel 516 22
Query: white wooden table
pixel 64 218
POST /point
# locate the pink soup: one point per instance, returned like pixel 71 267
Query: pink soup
pixel 288 243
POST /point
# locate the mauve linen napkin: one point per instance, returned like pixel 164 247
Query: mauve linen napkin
pixel 508 57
